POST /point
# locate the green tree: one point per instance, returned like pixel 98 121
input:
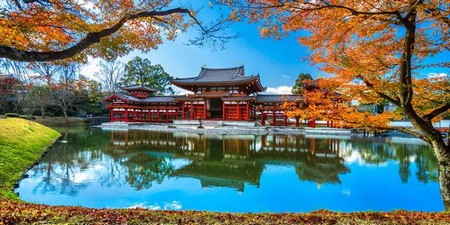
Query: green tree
pixel 300 83
pixel 88 96
pixel 141 71
pixel 38 98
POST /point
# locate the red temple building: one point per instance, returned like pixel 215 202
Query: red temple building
pixel 217 94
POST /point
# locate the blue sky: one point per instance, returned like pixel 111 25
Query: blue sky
pixel 278 62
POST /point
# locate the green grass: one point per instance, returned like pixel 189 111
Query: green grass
pixel 22 143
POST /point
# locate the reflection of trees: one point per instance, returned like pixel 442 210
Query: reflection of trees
pixel 322 171
pixel 378 152
pixel 59 168
pixel 139 158
pixel 426 166
pixel 227 173
pixel 56 173
pixel 144 169
pixel 316 160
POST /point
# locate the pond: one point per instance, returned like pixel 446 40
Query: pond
pixel 234 173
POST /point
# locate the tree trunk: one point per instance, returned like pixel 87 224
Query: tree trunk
pixel 64 110
pixel 65 114
pixel 444 180
pixel 42 112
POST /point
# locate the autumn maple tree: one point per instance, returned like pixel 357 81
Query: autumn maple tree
pixel 383 44
pixel 47 30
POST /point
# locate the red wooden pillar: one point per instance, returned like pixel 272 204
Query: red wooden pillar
pixel 285 120
pixel 112 114
pixel 312 123
pixel 167 115
pixel 159 116
pixel 274 118
pixel 182 111
pixel 297 123
pixel 238 111
pixel 223 111
pixel 126 115
pixel 204 109
pixel 248 111
pixel 176 113
pixel 263 120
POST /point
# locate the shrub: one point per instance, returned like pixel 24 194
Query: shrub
pixel 12 115
pixel 27 117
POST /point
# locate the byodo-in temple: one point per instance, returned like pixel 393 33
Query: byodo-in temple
pixel 225 94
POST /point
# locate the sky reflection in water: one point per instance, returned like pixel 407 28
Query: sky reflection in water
pixel 246 173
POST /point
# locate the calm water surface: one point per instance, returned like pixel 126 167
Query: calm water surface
pixel 234 173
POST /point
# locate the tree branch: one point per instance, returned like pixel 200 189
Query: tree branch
pixel 412 132
pixel 90 38
pixel 381 94
pixel 351 10
pixel 437 111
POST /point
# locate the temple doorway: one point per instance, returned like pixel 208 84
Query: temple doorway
pixel 215 108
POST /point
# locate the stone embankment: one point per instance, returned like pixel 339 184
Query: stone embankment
pixel 224 129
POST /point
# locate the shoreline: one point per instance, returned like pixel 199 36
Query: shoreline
pixel 227 129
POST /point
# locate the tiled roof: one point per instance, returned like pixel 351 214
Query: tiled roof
pixel 151 99
pixel 217 75
pixel 138 87
pixel 276 98
pixel 224 76
pixel 159 99
pixel 239 98
pixel 186 98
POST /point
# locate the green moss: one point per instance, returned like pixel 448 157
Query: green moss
pixel 22 143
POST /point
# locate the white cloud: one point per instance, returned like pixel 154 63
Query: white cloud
pixel 437 75
pixel 346 192
pixel 179 91
pixel 144 206
pixel 82 177
pixel 281 90
pixel 174 205
pixel 91 67
pixel 286 76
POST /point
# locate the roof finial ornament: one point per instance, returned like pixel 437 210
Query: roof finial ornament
pixel 139 82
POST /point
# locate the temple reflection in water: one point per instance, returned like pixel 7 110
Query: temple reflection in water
pixel 100 168
pixel 234 160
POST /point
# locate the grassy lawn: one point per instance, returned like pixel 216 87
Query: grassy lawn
pixel 23 142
